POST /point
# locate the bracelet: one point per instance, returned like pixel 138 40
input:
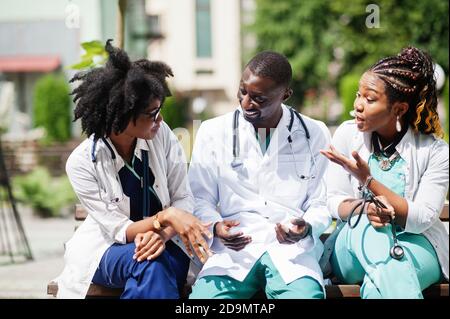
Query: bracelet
pixel 156 223
pixel 366 184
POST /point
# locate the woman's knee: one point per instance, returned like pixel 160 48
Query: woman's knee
pixel 366 241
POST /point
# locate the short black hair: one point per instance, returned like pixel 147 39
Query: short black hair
pixel 272 65
pixel 111 95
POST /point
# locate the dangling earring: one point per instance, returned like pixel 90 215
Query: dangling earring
pixel 398 126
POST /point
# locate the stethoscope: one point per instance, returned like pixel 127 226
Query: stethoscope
pixel 396 251
pixel 238 162
pixel 115 197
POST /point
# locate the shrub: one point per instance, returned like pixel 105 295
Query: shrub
pixel 44 193
pixel 52 107
pixel 175 112
pixel 348 86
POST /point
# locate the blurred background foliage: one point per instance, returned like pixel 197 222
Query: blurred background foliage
pixel 348 85
pixel 52 109
pixel 315 35
pixel 175 111
pixel 94 55
pixel 45 194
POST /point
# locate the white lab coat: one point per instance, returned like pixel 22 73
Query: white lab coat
pixel 426 177
pixel 265 190
pixel 106 224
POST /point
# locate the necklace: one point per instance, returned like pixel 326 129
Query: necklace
pixel 386 163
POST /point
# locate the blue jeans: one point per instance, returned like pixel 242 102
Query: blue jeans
pixel 162 278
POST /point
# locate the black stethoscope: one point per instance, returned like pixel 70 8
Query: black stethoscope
pixel 396 251
pixel 106 184
pixel 238 162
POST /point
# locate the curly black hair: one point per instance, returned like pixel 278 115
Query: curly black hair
pixel 110 96
pixel 409 77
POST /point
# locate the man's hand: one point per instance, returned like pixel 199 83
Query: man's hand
pixel 292 235
pixel 149 246
pixel 235 241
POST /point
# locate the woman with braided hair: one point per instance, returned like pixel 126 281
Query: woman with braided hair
pixel 393 156
pixel 130 176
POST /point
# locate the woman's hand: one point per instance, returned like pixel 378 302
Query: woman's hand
pixel 235 241
pixel 357 168
pixel 190 229
pixel 380 217
pixel 149 245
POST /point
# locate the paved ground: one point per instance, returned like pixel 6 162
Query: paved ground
pixel 46 237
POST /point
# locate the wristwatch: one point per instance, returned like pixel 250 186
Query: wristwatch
pixel 156 223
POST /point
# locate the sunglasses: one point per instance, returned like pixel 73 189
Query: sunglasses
pixel 154 114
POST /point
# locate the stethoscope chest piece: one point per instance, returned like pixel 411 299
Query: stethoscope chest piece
pixel 397 252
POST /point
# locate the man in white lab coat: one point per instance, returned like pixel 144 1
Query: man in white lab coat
pixel 257 174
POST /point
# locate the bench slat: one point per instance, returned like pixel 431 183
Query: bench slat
pixel 444 213
pixel 333 291
pixel 342 291
pixel 94 291
pixel 80 212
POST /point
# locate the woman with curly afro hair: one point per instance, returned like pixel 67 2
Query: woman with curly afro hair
pixel 130 177
pixel 392 155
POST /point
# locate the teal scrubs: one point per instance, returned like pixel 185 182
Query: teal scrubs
pixel 263 276
pixel 361 255
pixel 263 142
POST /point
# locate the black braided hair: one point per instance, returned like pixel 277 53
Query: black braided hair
pixel 110 96
pixel 409 77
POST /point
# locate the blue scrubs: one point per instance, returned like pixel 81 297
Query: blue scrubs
pixel 162 278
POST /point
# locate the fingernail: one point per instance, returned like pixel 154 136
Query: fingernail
pixel 134 256
pixel 149 257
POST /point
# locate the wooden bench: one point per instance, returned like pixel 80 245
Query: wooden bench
pixel 334 291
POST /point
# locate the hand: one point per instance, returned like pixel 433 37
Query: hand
pixel 149 246
pixel 292 235
pixel 380 217
pixel 190 229
pixel 357 168
pixel 235 241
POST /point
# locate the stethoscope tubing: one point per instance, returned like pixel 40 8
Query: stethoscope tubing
pixel 236 160
pixel 396 251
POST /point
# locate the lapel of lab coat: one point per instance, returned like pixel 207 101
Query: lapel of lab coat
pixel 156 165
